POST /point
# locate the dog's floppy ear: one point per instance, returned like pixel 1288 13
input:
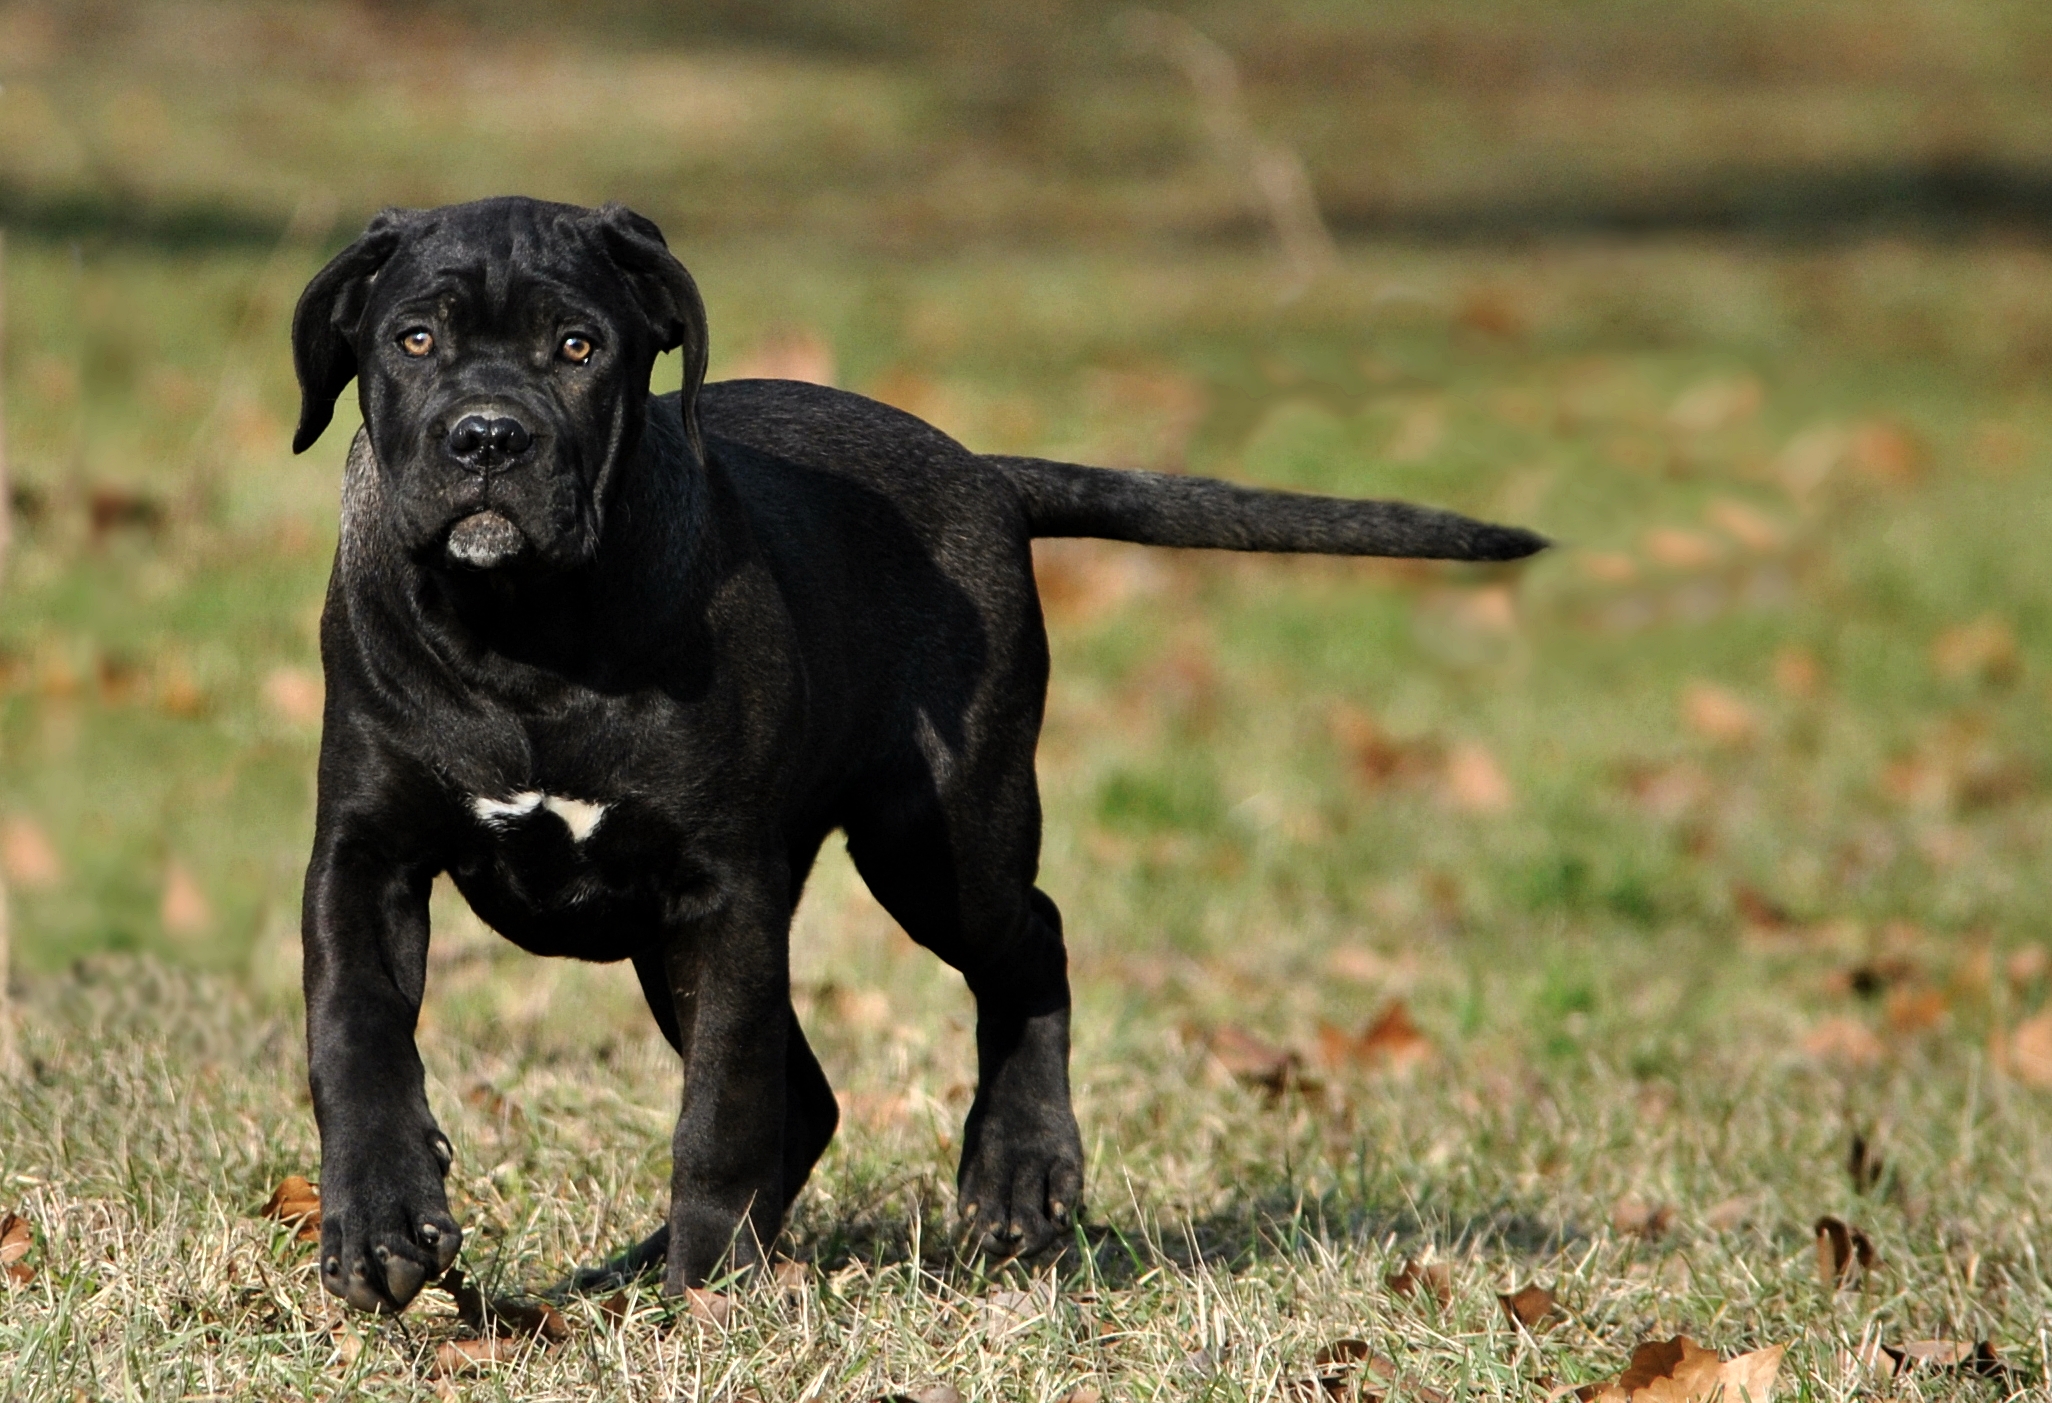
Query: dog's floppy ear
pixel 324 324
pixel 669 298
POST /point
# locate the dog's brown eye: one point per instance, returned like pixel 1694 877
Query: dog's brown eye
pixel 576 350
pixel 417 342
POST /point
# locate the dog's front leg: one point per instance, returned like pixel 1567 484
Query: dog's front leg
pixel 729 982
pixel 385 1224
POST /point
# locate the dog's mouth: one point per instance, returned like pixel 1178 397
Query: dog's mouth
pixel 484 540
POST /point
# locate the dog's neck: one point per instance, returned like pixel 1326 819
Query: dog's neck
pixel 600 625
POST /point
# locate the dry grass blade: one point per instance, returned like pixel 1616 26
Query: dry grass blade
pixel 297 1204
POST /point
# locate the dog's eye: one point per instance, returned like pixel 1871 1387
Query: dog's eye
pixel 576 350
pixel 417 342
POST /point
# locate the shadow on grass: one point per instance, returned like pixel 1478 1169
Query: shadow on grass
pixel 1260 1229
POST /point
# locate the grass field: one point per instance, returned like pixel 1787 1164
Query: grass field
pixel 1690 852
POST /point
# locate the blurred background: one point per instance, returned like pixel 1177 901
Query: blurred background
pixel 1749 304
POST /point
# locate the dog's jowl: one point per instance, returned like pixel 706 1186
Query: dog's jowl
pixel 619 664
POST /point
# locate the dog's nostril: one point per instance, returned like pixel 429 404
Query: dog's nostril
pixel 472 432
pixel 510 436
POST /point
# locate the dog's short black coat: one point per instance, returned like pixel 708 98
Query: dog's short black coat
pixel 619 665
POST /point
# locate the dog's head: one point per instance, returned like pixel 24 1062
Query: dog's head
pixel 502 353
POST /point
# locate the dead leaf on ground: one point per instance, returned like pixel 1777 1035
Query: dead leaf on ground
pixel 616 1307
pixel 1473 782
pixel 1081 1393
pixel 297 1204
pixel 1912 1011
pixel 468 1356
pixel 1434 1279
pixel 1719 714
pixel 503 1315
pixel 1797 673
pixel 1681 1371
pixel 1680 549
pixel 16 1238
pixel 1529 1307
pixel 708 1307
pixel 792 1278
pixel 1730 1213
pixel 2028 964
pixel 932 1393
pixel 1842 1248
pixel 2030 1051
pixel 1634 1216
pixel 1344 1369
pixel 1885 452
pixel 1747 524
pixel 1252 1060
pixel 1846 1041
pixel 294 694
pixel 27 855
pixel 1981 651
pixel 1928 1357
pixel 1392 1042
pixel 1377 758
pixel 184 909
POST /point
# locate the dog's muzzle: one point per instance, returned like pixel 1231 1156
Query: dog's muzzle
pixel 484 442
pixel 484 540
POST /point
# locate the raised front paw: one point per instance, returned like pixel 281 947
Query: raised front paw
pixel 385 1224
pixel 1020 1189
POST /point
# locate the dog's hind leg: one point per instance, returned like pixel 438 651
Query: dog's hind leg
pixel 811 1114
pixel 964 889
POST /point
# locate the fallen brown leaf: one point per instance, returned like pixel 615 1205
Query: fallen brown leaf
pixel 295 695
pixel 2028 964
pixel 791 1277
pixel 1473 783
pixel 708 1307
pixel 2030 1051
pixel 184 909
pixel 1081 1393
pixel 1434 1279
pixel 1527 1308
pixel 297 1204
pixel 932 1393
pixel 1681 1371
pixel 1731 1212
pixel 1394 1038
pixel 1719 714
pixel 1840 1249
pixel 27 855
pixel 1913 1011
pixel 1797 673
pixel 1252 1060
pixel 1746 524
pixel 615 1307
pixel 467 1356
pixel 1844 1040
pixel 1679 549
pixel 16 1238
pixel 1936 1357
pixel 1344 1369
pixel 1635 1217
pixel 1984 651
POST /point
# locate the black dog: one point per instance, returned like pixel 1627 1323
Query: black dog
pixel 619 665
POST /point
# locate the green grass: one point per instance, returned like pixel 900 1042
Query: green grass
pixel 1618 828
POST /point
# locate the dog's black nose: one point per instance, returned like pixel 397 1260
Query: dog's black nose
pixel 483 444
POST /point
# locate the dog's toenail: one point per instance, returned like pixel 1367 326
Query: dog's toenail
pixel 382 1253
pixel 969 1209
pixel 430 1234
pixel 333 1266
pixel 1058 1209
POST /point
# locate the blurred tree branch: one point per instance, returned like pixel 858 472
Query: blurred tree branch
pixel 1275 169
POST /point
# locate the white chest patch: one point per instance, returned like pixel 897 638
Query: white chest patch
pixel 580 816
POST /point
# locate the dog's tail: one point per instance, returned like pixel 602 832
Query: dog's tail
pixel 1162 509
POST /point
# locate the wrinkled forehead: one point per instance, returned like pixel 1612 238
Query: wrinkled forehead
pixel 502 264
